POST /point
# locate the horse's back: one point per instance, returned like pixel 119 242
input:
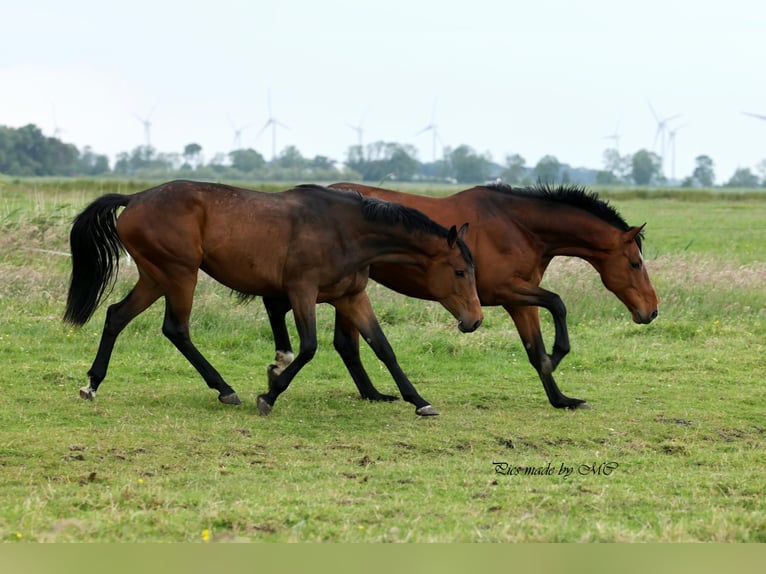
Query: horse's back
pixel 251 241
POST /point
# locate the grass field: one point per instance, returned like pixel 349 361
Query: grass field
pixel 673 449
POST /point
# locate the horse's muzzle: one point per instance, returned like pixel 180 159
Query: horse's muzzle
pixel 469 328
pixel 644 318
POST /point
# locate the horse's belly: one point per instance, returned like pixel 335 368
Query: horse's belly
pixel 348 285
pixel 245 277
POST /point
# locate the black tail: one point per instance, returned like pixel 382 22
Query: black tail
pixel 96 249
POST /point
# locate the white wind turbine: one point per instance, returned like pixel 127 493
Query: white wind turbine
pixel 672 144
pixel 237 141
pixel 359 129
pixel 273 123
pixel 57 131
pixel 662 126
pixel 146 121
pixel 615 137
pixel 434 131
pixel 759 116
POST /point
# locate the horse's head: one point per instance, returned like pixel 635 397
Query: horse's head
pixel 451 281
pixel 623 272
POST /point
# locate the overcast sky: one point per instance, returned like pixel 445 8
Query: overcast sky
pixel 503 76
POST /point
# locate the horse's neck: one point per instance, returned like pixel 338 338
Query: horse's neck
pixel 389 244
pixel 568 232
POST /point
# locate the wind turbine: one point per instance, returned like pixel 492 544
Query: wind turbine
pixel 359 129
pixel 434 131
pixel 237 142
pixel 147 127
pixel 615 137
pixel 273 123
pixel 672 144
pixel 57 131
pixel 662 125
pixel 759 116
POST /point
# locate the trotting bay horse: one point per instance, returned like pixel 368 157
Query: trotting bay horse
pixel 514 234
pixel 304 246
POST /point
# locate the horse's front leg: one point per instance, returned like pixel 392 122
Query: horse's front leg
pixel 304 312
pixel 527 320
pixel 358 312
pixel 528 295
pixel 277 309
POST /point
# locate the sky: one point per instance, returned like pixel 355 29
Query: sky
pixel 534 78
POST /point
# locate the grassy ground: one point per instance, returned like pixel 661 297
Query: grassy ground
pixel 672 450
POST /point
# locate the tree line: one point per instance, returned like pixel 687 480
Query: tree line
pixel 26 151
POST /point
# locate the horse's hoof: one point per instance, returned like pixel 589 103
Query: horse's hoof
pixel 263 406
pixel 583 406
pixel 231 399
pixel 87 393
pixel 426 411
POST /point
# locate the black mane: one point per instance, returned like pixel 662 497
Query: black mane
pixel 391 213
pixel 574 196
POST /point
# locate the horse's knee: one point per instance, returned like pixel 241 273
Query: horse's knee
pixel 307 353
pixel 344 346
pixel 174 332
pixel 539 359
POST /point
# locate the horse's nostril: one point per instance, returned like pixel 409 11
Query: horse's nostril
pixel 654 314
pixel 476 325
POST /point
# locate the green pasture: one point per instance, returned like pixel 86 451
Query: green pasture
pixel 672 450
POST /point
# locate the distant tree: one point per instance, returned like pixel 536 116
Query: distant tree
pixel 761 169
pixel 743 177
pixel 26 151
pixel 467 166
pixel 291 158
pixel 246 160
pixel 703 172
pixel 192 153
pixel 548 169
pixel 605 177
pixel 144 160
pixel 646 167
pixel 617 165
pixel 322 162
pixel 91 163
pixel 380 160
pixel 514 171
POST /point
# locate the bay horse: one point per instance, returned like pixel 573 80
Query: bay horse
pixel 514 234
pixel 303 246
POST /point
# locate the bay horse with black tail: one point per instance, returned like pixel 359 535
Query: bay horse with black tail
pixel 514 234
pixel 304 246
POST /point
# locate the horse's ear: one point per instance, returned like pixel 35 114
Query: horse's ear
pixel 452 236
pixel 630 234
pixel 463 230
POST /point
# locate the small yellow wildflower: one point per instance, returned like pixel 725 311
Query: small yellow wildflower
pixel 206 535
pixel 140 481
pixel 19 536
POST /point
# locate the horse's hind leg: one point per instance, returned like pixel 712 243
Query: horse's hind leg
pixel 175 327
pixel 143 294
pixel 346 342
pixel 358 311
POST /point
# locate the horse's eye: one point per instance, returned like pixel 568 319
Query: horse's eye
pixel 459 273
pixel 636 265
